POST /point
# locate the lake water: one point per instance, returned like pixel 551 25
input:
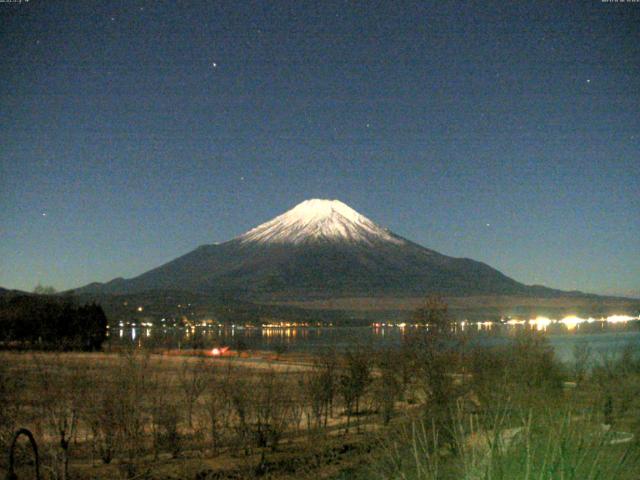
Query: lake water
pixel 601 336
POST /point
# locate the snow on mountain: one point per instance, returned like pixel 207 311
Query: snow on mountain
pixel 320 249
pixel 320 220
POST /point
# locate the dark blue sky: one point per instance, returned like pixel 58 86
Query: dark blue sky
pixel 134 131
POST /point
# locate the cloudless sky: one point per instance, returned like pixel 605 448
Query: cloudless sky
pixel 134 131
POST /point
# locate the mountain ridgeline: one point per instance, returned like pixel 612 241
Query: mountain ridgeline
pixel 320 249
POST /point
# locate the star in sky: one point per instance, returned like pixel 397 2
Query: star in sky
pixel 500 122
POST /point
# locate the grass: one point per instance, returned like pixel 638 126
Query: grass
pixel 487 415
pixel 537 432
pixel 543 446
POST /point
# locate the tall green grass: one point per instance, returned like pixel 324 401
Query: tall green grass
pixel 541 445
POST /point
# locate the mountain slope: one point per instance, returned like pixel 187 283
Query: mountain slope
pixel 319 249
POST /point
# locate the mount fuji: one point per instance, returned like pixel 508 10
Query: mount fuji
pixel 320 249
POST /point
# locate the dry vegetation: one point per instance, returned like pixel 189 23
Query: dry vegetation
pixel 133 413
pixel 430 409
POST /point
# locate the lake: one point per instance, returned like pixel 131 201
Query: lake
pixel 603 337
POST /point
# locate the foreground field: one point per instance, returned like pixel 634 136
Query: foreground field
pixel 418 412
pixel 99 415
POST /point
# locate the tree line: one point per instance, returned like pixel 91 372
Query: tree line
pixel 51 322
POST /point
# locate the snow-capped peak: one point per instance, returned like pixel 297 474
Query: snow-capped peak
pixel 319 219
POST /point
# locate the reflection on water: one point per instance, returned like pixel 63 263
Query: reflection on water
pixel 611 333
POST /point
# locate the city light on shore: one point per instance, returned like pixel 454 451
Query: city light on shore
pixel 540 323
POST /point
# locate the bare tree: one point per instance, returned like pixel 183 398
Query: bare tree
pixel 165 415
pixel 433 313
pixel 430 350
pixel 388 385
pixel 99 413
pixel 166 422
pixel 320 386
pixel 44 289
pixel 272 409
pixel 131 381
pixel 60 405
pixel 193 380
pixel 216 404
pixel 298 401
pixel 240 394
pixel 581 359
pixel 354 379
